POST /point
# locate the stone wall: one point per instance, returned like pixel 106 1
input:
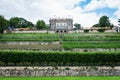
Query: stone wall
pixel 60 71
pixel 52 32
pixel 96 49
pixel 28 43
pixel 40 31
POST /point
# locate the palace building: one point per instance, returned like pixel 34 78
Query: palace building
pixel 61 25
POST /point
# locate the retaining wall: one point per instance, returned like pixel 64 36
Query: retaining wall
pixel 96 49
pixel 60 71
pixel 28 43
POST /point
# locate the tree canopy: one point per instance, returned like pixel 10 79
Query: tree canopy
pixel 3 23
pixel 40 25
pixel 78 26
pixel 104 22
pixel 20 23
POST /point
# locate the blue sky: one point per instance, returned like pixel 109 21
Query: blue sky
pixel 83 3
pixel 106 10
pixel 85 12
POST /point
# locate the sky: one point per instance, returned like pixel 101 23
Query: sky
pixel 85 12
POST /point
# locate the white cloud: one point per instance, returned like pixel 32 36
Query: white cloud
pixel 114 21
pixel 44 9
pixel 117 13
pixel 113 4
pixel 116 5
pixel 95 4
pixel 100 4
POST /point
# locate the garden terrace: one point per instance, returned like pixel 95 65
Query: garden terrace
pixel 66 41
pixel 71 45
pixel 23 37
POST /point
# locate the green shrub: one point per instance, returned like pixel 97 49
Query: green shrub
pixel 86 31
pixel 67 68
pixel 29 58
pixel 101 30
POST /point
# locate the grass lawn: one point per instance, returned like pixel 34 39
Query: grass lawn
pixel 62 78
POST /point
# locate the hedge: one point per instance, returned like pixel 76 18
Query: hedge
pixel 36 58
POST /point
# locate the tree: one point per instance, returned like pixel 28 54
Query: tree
pixel 30 24
pixel 96 25
pixel 16 22
pixel 78 26
pixel 40 25
pixel 3 24
pixel 104 21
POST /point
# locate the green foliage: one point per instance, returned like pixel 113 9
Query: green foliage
pixel 3 24
pixel 96 25
pixel 40 25
pixel 14 22
pixel 60 58
pixel 91 41
pixel 86 31
pixel 104 22
pixel 101 30
pixel 78 26
pixel 23 37
pixel 72 45
pixel 69 41
pixel 17 22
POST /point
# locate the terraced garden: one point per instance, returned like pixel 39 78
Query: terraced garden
pixel 25 37
pixel 33 49
pixel 67 41
pixel 91 41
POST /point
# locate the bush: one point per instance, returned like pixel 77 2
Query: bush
pixel 29 58
pixel 67 68
pixel 86 31
pixel 101 30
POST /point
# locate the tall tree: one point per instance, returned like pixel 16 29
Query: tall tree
pixel 104 21
pixel 3 24
pixel 40 25
pixel 14 22
pixel 78 26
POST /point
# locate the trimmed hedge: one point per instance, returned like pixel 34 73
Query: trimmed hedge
pixel 36 58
